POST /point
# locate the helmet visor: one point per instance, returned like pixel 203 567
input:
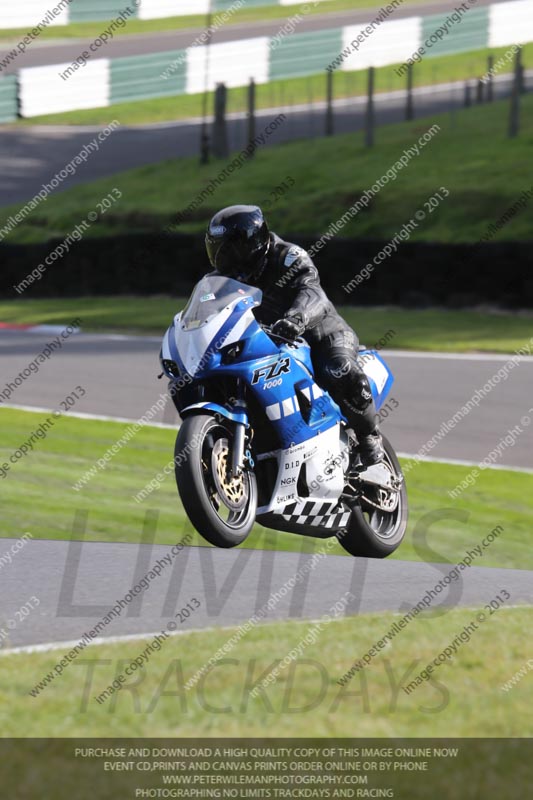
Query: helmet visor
pixel 234 257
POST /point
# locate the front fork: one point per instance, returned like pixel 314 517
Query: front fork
pixel 239 454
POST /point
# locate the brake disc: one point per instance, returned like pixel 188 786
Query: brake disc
pixel 231 490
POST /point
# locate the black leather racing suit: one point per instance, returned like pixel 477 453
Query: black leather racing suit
pixel 291 286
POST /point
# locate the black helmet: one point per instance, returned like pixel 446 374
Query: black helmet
pixel 237 242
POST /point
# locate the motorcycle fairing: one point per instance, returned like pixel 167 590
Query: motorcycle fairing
pixel 239 417
pixel 308 519
pixel 379 375
pixel 295 405
pixel 197 351
pixel 314 466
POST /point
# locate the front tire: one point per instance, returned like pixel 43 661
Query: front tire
pixel 221 509
pixel 372 532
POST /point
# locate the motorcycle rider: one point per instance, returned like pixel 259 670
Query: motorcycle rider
pixel 240 246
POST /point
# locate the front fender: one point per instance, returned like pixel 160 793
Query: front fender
pixel 239 417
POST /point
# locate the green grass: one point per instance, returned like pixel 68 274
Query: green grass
pixel 37 495
pixel 464 699
pixel 90 30
pixel 432 329
pixel 308 89
pixel 330 175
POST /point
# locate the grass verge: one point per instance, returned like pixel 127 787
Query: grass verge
pixel 329 176
pixel 462 698
pixel 431 329
pixel 288 92
pixel 37 496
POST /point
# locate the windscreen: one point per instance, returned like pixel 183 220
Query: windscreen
pixel 211 296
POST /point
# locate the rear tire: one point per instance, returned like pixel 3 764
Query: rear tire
pixel 373 533
pixel 222 511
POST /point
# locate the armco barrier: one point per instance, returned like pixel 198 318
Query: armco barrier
pixel 304 53
pixel 103 82
pixel 8 99
pixel 43 91
pixel 96 10
pixel 136 78
pixel 391 43
pixel 510 23
pixel 232 63
pixel 471 34
pixel 27 13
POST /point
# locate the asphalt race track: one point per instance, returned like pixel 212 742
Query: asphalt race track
pixel 78 583
pixel 119 374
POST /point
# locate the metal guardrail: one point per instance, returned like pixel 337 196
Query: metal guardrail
pixel 8 99
pixel 104 82
pixel 27 13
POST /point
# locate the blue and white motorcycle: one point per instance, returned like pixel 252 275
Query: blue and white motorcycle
pixel 260 440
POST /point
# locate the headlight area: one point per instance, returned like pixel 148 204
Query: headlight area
pixel 170 368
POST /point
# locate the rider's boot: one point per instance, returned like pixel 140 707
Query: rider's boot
pixel 366 428
pixel 371 449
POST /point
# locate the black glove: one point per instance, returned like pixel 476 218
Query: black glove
pixel 289 327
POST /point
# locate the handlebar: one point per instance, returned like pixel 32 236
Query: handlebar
pixel 268 330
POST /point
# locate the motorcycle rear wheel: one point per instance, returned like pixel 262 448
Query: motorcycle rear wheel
pixel 374 533
pixel 222 509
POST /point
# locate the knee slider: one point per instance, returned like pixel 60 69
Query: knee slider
pixel 349 381
pixel 339 370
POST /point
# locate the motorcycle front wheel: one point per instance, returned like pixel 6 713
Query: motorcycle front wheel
pixel 221 508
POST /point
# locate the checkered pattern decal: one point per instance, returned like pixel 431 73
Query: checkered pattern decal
pixel 316 514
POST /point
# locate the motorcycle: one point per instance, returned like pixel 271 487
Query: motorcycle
pixel 261 441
